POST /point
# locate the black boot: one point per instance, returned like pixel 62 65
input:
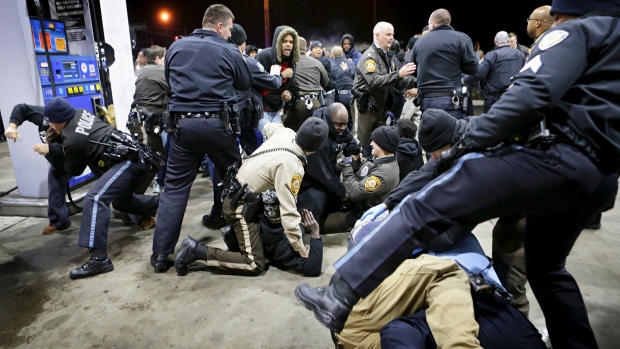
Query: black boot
pixel 331 305
pixel 97 264
pixel 230 239
pixel 160 262
pixel 191 250
pixel 213 221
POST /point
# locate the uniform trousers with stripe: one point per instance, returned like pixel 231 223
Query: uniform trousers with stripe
pixel 558 188
pixel 116 187
pixel 251 260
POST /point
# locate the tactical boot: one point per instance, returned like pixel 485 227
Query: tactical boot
pixel 94 266
pixel 331 305
pixel 213 221
pixel 159 261
pixel 191 250
pixel 230 239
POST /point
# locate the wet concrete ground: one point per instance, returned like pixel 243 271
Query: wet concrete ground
pixel 132 307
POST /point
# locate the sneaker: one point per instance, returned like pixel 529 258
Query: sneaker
pixel 147 223
pixel 51 229
pixel 156 188
pixel 92 267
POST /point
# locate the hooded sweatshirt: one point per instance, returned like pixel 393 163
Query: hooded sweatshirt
pixel 273 55
pixel 409 156
pixel 352 53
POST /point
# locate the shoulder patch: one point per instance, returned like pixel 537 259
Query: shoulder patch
pixel 364 171
pixel 372 183
pixel 552 38
pixel 260 67
pixel 295 184
pixel 370 65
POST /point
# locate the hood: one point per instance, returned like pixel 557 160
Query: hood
pixel 323 114
pixel 408 147
pixel 351 40
pixel 280 33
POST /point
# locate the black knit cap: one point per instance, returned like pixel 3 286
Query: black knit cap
pixel 412 42
pixel 581 7
pixel 237 34
pixel 58 110
pixel 386 137
pixel 312 134
pixel 315 44
pixel 436 129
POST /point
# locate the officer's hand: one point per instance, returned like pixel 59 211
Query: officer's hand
pixel 286 96
pixel 344 66
pixel 407 69
pixel 411 93
pixel 308 221
pixel 374 212
pixel 42 149
pixel 287 73
pixel 347 161
pixel 11 132
pixel 275 70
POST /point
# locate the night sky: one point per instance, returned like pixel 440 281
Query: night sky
pixel 328 20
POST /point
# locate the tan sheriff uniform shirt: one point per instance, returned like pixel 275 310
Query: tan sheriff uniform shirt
pixel 280 171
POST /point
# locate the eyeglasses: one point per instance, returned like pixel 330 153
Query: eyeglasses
pixel 533 19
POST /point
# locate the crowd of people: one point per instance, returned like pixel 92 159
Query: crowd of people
pixel 383 143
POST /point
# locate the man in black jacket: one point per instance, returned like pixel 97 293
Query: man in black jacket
pixel 78 129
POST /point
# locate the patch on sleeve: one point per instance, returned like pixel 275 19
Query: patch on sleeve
pixel 295 184
pixel 260 67
pixel 372 183
pixel 552 38
pixel 370 65
pixel 364 171
pixel 534 64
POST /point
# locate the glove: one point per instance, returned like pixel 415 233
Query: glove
pixel 275 70
pixel 347 161
pixel 446 159
pixel 374 212
pixel 390 119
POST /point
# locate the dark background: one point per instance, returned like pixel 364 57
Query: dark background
pixel 328 20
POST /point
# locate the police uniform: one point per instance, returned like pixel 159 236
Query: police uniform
pixel 442 56
pixel 199 89
pixel 377 75
pixel 560 184
pixel 278 170
pixel 310 81
pixel 57 178
pixel 496 70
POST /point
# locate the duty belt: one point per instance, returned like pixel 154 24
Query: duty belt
pixel 194 115
pixel 437 94
pixel 344 92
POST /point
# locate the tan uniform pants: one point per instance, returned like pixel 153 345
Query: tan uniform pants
pixel 298 113
pixel 367 122
pixel 251 259
pixel 425 282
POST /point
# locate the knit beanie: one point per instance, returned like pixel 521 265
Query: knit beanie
pixel 312 134
pixel 58 110
pixel 581 7
pixel 436 129
pixel 315 44
pixel 237 34
pixel 386 137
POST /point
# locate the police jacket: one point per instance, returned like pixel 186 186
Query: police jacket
pixel 373 182
pixel 34 114
pixel 352 54
pixel 497 68
pixel 152 90
pixel 579 104
pixel 323 171
pixel 442 56
pixel 272 101
pixel 377 74
pixel 281 171
pixel 310 75
pixel 79 152
pixel 203 70
pixel 261 80
pixel 339 76
pixel 409 156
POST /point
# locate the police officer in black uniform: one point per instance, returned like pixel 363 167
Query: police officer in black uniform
pixel 560 176
pixel 443 55
pixel 203 71
pixel 83 144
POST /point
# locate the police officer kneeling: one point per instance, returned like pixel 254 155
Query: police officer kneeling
pixel 277 165
pixel 84 138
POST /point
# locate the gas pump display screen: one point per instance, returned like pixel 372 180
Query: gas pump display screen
pixel 53 36
pixel 70 70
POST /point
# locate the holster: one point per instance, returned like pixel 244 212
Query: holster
pixel 322 98
pixel 252 205
pixel 363 102
pixel 225 116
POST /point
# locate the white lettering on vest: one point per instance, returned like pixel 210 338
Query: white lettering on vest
pixel 85 123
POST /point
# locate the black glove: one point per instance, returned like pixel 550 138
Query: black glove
pixel 447 158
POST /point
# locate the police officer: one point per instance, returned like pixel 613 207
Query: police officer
pixel 78 129
pixel 371 183
pixel 202 91
pixel 443 56
pixel 340 67
pixel 277 165
pixel 377 76
pixel 497 69
pixel 561 176
pixel 57 178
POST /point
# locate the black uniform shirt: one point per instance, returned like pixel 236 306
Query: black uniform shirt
pixel 261 80
pixel 497 68
pixel 152 90
pixel 79 152
pixel 203 71
pixel 441 56
pixel 34 114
